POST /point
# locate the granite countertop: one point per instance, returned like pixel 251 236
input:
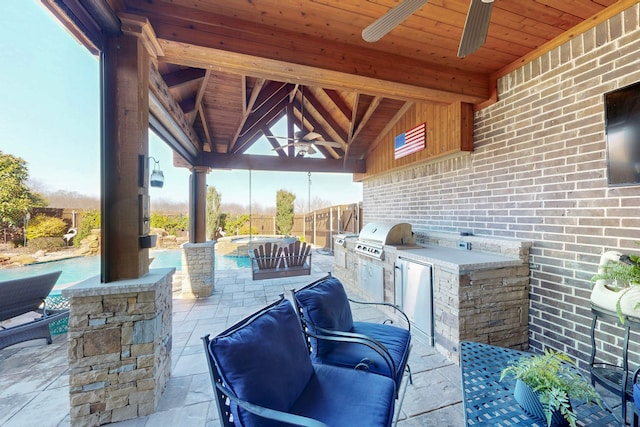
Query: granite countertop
pixel 459 259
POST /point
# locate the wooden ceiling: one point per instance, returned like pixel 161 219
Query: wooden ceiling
pixel 235 67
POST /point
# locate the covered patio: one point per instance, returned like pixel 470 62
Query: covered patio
pixel 515 139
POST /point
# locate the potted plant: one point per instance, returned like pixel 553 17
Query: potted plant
pixel 616 284
pixel 545 385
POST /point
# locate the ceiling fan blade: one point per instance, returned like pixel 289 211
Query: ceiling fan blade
pixel 475 27
pixel 293 144
pixel 311 136
pixel 333 144
pixel 280 137
pixel 391 19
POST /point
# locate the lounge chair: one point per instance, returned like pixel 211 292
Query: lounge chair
pixel 270 261
pixel 22 296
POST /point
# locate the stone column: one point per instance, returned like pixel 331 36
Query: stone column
pixel 198 269
pixel 119 347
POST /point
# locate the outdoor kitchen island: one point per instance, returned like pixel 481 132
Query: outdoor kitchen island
pixel 477 294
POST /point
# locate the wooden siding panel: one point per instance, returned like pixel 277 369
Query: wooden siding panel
pixel 449 130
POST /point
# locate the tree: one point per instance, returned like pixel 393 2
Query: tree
pixel 214 213
pixel 16 198
pixel 284 211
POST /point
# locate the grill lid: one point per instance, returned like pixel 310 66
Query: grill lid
pixel 375 235
pixel 387 233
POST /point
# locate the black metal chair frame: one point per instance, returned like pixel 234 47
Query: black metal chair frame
pixel 350 337
pixel 224 396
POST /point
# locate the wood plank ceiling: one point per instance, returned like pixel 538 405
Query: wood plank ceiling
pixel 236 67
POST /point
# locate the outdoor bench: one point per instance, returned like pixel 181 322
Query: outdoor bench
pixel 22 296
pixel 262 374
pixel 271 261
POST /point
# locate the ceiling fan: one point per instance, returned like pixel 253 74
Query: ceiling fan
pixel 304 141
pixel 474 33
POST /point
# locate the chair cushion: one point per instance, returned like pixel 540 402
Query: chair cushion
pixel 264 361
pixel 396 340
pixel 325 305
pixel 342 391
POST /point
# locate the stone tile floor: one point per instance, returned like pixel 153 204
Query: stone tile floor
pixel 34 378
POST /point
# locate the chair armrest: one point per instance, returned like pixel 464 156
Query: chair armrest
pixel 386 304
pixel 349 337
pixel 636 374
pixel 269 413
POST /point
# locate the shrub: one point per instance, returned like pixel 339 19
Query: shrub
pixel 89 220
pixel 45 226
pixel 172 224
pixel 46 243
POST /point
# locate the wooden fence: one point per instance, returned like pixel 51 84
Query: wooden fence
pixel 317 227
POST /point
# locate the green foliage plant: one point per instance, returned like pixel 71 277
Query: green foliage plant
pixel 172 224
pixel 46 226
pixel 215 217
pixel 239 225
pixel 621 275
pixel 284 212
pixel 46 244
pixel 89 220
pixel 16 198
pixel 552 377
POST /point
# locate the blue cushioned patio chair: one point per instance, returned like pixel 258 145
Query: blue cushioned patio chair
pixel 262 375
pixel 324 310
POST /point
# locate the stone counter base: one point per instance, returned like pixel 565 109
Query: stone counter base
pixel 119 347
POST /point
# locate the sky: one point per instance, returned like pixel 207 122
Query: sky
pixel 49 116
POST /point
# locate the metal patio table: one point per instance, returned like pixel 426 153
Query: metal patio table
pixel 489 402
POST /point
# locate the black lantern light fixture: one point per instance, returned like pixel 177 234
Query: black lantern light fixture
pixel 156 179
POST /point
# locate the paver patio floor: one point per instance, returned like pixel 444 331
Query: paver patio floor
pixel 34 387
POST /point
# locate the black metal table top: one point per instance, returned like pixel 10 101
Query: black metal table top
pixel 490 402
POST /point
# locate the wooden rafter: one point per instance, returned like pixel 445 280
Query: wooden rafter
pixel 246 107
pixel 401 112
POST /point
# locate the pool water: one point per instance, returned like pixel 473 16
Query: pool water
pixel 81 268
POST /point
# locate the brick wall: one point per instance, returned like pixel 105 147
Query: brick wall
pixel 538 172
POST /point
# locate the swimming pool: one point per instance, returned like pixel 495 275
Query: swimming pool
pixel 81 268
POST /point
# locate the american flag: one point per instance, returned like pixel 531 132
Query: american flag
pixel 411 141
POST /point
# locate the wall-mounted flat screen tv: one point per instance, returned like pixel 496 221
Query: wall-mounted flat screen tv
pixel 622 115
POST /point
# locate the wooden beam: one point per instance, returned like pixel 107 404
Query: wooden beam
pixel 277 163
pixel 208 146
pixel 184 76
pixel 246 140
pixel 246 107
pixel 335 126
pixel 216 59
pixel 169 106
pixel 401 112
pixel 199 96
pixel 337 99
pixel 207 29
pixel 367 115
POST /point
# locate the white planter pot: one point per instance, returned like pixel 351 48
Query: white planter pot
pixel 605 296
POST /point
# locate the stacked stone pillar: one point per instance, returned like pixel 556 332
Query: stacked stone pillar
pixel 198 261
pixel 119 347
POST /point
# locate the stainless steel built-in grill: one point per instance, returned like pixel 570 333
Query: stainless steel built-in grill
pixel 375 235
pixel 341 239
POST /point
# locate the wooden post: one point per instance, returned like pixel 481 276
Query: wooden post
pixel 198 205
